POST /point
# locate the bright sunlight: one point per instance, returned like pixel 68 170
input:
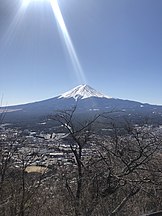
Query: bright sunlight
pixel 65 34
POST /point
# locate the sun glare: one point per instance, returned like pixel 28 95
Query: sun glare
pixel 64 33
pixel 25 3
pixel 68 42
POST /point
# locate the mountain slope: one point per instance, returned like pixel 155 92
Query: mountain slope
pixel 88 102
pixel 82 92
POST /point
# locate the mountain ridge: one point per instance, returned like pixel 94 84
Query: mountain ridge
pixel 88 102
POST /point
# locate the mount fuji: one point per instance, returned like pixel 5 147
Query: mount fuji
pixel 82 92
pixel 88 102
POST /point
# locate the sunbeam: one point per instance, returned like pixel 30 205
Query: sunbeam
pixel 70 47
pixel 8 37
pixel 67 40
pixel 25 3
pixel 11 31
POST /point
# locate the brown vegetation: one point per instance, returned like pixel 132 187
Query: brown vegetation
pixel 121 177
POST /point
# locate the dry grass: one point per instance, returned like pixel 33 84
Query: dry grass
pixel 36 169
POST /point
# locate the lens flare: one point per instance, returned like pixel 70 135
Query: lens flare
pixel 25 3
pixel 68 41
pixel 79 73
pixel 9 35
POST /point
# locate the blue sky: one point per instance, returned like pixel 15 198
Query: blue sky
pixel 118 44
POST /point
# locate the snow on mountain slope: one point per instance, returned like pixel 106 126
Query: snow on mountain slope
pixel 82 92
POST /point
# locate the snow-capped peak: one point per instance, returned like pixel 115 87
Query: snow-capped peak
pixel 82 92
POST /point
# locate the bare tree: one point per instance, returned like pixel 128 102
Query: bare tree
pixel 79 136
pixel 120 169
pixel 110 174
pixel 18 189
